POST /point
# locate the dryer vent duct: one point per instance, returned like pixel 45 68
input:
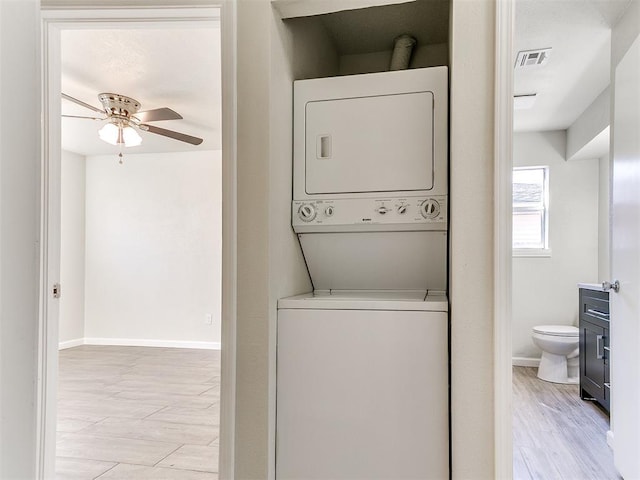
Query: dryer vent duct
pixel 402 49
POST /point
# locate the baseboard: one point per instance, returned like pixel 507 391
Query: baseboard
pixel 525 362
pixel 71 343
pixel 142 342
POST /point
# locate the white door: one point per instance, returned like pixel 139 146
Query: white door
pixel 625 267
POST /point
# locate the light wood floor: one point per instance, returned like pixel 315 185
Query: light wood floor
pixel 547 445
pixel 138 413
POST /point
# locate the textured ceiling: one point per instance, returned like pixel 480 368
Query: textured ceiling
pixel 177 68
pixel 578 70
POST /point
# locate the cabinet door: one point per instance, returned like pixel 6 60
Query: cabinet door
pixel 592 374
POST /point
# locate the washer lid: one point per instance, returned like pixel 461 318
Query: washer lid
pixel 557 330
pixel 432 301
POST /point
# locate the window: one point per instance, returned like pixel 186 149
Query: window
pixel 530 209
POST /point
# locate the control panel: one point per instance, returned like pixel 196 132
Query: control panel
pixel 418 212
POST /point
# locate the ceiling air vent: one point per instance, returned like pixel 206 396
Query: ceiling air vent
pixel 524 102
pixel 533 58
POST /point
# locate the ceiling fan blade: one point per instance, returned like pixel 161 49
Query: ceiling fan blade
pixel 171 134
pixel 80 116
pixel 158 114
pixel 82 104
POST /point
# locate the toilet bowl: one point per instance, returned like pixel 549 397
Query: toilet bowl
pixel 559 345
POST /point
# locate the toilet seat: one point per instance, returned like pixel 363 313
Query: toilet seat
pixel 557 330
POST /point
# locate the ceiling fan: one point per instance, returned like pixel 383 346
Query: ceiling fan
pixel 124 117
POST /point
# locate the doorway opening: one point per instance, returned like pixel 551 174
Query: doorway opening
pixel 561 224
pixel 148 264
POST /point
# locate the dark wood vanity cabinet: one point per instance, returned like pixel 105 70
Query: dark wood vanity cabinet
pixel 594 346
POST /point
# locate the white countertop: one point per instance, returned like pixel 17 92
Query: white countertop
pixel 591 286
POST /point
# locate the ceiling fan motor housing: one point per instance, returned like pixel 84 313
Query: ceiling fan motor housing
pixel 119 105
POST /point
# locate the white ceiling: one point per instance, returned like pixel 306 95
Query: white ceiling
pixel 578 70
pixel 177 68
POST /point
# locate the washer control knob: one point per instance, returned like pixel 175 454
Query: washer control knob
pixel 328 211
pixel 382 210
pixel 402 209
pixel 307 212
pixel 430 208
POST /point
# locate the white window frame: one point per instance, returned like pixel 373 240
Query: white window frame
pixel 543 251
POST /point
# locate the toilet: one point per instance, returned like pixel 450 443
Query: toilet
pixel 560 361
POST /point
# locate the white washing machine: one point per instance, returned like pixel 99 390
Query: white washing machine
pixel 362 386
pixel 362 362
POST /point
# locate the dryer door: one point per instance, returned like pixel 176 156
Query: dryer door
pixel 369 144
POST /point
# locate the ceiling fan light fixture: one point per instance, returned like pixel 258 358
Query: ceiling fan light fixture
pixel 119 135
pixel 109 133
pixel 124 119
pixel 130 137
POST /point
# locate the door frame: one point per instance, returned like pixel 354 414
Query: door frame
pixel 502 277
pixel 53 22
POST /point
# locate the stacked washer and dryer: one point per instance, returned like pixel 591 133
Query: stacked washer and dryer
pixel 362 361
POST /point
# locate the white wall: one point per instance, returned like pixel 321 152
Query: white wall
pixel 153 247
pixel 72 249
pixel 544 288
pixel 20 128
pixel 589 133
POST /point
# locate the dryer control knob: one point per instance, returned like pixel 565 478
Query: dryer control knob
pixel 430 208
pixel 328 211
pixel 307 212
pixel 402 209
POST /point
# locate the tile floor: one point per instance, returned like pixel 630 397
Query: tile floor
pixel 138 413
pixel 556 435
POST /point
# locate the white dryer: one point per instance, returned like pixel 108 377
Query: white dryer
pixel 370 169
pixel 362 386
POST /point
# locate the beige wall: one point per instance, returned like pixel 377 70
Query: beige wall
pixel 253 327
pixel 471 241
pixel 270 263
pixel 19 234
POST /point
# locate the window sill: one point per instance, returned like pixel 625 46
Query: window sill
pixel 532 252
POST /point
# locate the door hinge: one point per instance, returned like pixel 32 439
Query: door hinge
pixel 56 290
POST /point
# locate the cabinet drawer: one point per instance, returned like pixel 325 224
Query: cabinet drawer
pixel 594 307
